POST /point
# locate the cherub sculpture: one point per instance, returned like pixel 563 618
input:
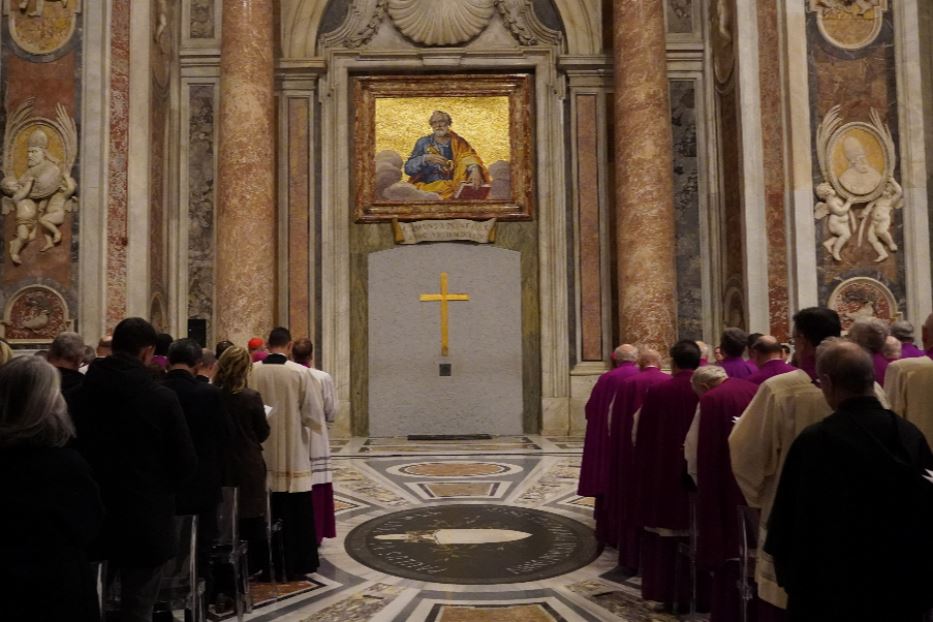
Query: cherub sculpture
pixel 841 220
pixel 876 218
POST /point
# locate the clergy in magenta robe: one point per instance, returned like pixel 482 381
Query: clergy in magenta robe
pixel 871 333
pixel 903 331
pixel 593 470
pixel 732 346
pixel 661 497
pixel 769 359
pixel 718 495
pixel 622 530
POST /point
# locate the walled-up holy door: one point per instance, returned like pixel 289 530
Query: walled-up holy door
pixel 445 346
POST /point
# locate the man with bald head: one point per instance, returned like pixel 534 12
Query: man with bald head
pixel 593 470
pixel 722 401
pixel 852 497
pixel 622 529
pixel 768 356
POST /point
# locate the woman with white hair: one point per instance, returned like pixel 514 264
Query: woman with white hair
pixel 52 507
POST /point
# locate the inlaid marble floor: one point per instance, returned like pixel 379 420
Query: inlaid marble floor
pixel 530 479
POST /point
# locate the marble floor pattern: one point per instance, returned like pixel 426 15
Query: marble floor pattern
pixel 377 476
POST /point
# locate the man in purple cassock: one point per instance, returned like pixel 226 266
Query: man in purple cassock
pixel 722 401
pixel 903 331
pixel 871 333
pixel 621 529
pixel 768 355
pixel 593 470
pixel 662 498
pixel 732 346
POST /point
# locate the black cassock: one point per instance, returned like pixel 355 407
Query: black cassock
pixel 851 530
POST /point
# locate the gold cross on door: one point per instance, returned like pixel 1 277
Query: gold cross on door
pixel 444 298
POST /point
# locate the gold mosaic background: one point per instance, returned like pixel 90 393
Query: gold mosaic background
pixel 483 121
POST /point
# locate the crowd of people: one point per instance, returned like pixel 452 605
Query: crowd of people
pixel 811 463
pixel 105 452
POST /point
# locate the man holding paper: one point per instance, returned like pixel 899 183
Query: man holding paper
pixel 297 412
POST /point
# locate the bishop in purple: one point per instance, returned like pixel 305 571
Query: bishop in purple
pixel 622 530
pixel 769 358
pixel 662 499
pixel 732 346
pixel 903 331
pixel 593 470
pixel 722 401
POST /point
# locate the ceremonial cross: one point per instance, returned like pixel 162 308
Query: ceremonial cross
pixel 443 298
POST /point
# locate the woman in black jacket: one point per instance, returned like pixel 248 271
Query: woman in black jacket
pixel 52 507
pixel 245 466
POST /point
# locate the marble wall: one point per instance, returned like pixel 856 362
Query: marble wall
pixel 772 139
pixel 687 209
pixel 859 81
pixel 41 105
pixel 200 200
pixel 117 165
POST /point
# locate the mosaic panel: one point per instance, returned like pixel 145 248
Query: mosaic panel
pixel 459 490
pixel 454 468
pixel 532 612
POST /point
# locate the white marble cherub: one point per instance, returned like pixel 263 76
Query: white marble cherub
pixel 877 219
pixel 841 220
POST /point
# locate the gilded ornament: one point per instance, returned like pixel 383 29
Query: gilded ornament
pixel 863 297
pixel 36 314
pixel 849 24
pixel 43 27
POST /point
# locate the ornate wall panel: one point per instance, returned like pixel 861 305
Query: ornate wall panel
pixel 772 134
pixel 687 209
pixel 117 167
pixel 201 166
pixel 41 88
pixel 855 148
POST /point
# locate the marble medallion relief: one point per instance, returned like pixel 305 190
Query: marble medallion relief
pixel 863 297
pixel 859 195
pixel 38 189
pixel 42 27
pixel 35 314
pixel 849 24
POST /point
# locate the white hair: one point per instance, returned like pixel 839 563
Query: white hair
pixel 706 377
pixel 32 409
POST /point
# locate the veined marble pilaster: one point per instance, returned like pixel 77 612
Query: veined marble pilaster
pixel 117 236
pixel 644 180
pixel 246 234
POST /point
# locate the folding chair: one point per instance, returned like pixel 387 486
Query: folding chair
pixel 687 551
pixel 229 551
pixel 181 588
pixel 748 553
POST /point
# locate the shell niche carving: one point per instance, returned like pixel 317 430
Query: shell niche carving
pixel 441 22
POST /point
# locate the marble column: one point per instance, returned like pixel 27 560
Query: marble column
pixel 645 251
pixel 246 219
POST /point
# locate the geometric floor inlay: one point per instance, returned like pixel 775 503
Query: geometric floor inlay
pixel 537 612
pixel 452 468
pixel 455 543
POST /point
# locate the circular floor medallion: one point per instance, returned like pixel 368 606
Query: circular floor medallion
pixel 473 544
pixel 454 469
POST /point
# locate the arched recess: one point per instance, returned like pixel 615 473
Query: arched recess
pixel 301 20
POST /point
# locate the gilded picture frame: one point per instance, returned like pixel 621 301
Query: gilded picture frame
pixel 443 146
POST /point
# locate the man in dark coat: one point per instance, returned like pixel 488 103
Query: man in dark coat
pixel 850 528
pixel 210 428
pixel 66 354
pixel 211 432
pixel 133 434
